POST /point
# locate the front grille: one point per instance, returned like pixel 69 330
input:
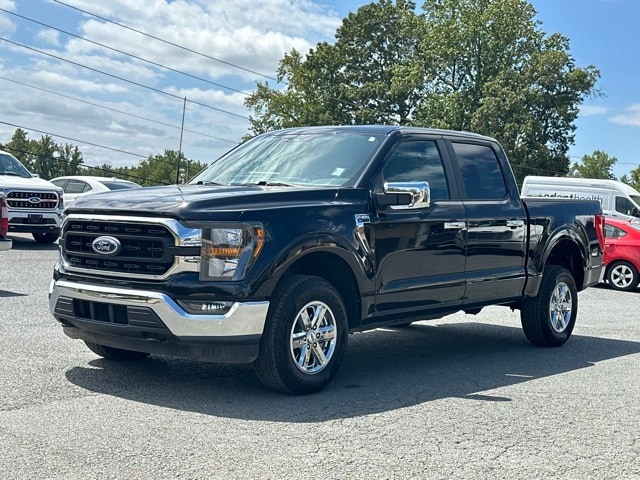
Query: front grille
pixel 32 200
pixel 145 249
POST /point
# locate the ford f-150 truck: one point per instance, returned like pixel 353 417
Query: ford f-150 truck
pixel 34 205
pixel 291 241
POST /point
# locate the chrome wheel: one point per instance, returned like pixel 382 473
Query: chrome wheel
pixel 622 276
pixel 560 307
pixel 549 317
pixel 313 337
pixel 305 336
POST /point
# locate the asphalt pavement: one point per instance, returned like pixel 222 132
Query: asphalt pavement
pixel 463 397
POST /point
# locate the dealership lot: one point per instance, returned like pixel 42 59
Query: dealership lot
pixel 462 397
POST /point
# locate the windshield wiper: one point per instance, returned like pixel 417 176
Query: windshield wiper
pixel 207 182
pixel 267 183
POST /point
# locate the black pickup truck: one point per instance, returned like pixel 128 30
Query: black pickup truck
pixel 291 241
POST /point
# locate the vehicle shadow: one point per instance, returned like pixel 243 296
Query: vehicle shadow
pixel 26 242
pixel 383 370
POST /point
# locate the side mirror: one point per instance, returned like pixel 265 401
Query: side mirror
pixel 419 194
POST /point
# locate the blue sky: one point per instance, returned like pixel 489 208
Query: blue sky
pixel 144 103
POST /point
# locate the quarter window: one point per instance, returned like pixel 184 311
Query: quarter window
pixel 613 232
pixel 77 186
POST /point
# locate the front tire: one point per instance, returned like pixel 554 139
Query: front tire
pixel 305 336
pixel 45 237
pixel 548 318
pixel 622 276
pixel 112 353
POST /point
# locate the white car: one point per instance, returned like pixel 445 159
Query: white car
pixel 75 186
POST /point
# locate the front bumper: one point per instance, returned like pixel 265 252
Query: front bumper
pixel 153 322
pixel 23 222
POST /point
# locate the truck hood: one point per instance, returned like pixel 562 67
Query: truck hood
pixel 10 182
pixel 208 202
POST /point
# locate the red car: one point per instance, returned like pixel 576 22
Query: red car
pixel 5 243
pixel 622 253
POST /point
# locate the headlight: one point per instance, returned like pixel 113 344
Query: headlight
pixel 227 252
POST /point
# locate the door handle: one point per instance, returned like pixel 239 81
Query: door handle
pixel 454 225
pixel 515 223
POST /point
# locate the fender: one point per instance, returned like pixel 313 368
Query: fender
pixel 358 261
pixel 550 241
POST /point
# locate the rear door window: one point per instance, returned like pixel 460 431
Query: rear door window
pixel 481 172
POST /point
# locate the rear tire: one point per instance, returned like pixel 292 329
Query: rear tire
pixel 111 353
pixel 548 319
pixel 305 336
pixel 45 237
pixel 622 276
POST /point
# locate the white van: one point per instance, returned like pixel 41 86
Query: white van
pixel 618 199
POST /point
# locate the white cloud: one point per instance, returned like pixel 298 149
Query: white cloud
pixel 58 81
pixel 52 37
pixel 593 110
pixel 252 34
pixel 631 117
pixel 6 25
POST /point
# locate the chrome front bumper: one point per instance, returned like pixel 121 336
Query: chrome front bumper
pixel 242 320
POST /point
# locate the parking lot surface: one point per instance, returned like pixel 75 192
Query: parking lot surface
pixel 463 397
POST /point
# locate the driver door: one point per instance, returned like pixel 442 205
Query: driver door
pixel 420 250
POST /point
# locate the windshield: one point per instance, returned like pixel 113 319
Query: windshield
pixel 297 158
pixel 9 165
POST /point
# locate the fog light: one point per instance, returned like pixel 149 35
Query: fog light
pixel 204 307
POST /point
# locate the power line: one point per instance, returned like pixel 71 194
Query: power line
pixel 116 110
pixel 75 140
pixel 192 51
pixel 81 165
pixel 126 53
pixel 167 41
pixel 124 79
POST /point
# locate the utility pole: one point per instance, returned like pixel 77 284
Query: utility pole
pixel 184 108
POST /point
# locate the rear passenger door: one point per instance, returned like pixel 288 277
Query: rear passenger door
pixel 496 223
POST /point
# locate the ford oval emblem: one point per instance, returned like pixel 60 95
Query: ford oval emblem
pixel 34 199
pixel 106 245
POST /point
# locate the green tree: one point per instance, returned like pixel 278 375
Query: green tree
pixel 160 169
pixel 633 179
pixel 44 153
pixel 479 65
pixel 69 160
pixel 45 157
pixel 367 76
pixel 492 70
pixel 597 165
pixel 20 147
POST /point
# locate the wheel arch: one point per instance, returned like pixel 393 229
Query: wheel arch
pixel 334 260
pixel 335 270
pixel 564 249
